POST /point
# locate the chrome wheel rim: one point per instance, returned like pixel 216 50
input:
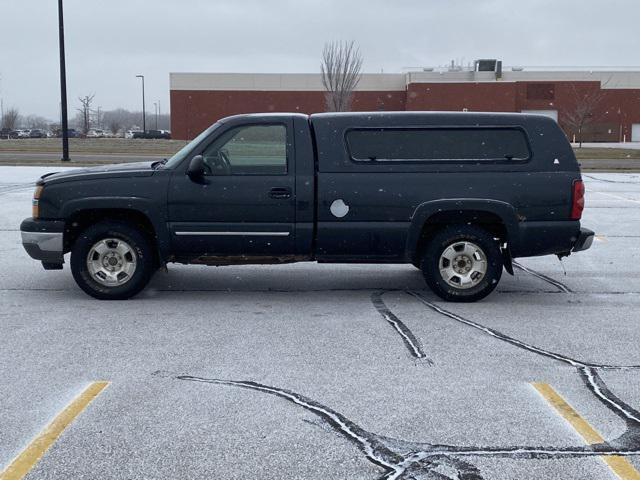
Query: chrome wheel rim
pixel 463 265
pixel 111 262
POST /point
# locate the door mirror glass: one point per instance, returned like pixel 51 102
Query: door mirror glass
pixel 196 167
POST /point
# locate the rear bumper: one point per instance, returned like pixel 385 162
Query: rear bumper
pixel 547 238
pixel 584 241
pixel 43 239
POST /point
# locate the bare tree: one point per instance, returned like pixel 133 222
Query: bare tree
pixel 114 125
pixel 85 112
pixel 340 67
pixel 584 113
pixel 11 118
pixel 36 121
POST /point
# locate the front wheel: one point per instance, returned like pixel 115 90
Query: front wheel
pixel 462 263
pixel 112 260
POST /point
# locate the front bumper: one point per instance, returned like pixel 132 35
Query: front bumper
pixel 43 240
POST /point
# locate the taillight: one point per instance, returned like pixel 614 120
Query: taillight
pixel 35 205
pixel 577 200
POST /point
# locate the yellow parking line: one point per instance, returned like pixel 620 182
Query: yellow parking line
pixel 28 458
pixel 620 465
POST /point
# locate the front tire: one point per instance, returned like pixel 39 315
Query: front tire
pixel 462 263
pixel 112 260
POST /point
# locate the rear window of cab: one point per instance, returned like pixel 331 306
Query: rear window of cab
pixel 438 144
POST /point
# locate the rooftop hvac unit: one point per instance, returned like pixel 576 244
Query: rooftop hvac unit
pixel 489 65
pixel 486 65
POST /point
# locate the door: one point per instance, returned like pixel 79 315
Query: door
pixel 245 204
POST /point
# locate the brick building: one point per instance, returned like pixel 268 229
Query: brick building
pixel 199 99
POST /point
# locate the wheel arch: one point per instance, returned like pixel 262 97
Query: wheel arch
pixel 497 217
pixel 80 215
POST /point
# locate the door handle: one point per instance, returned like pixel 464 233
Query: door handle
pixel 280 192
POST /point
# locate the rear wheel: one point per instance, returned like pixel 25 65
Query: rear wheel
pixel 462 263
pixel 112 260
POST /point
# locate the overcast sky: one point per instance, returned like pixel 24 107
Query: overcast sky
pixel 109 42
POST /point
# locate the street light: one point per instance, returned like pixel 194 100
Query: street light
pixel 63 88
pixel 144 114
pixel 155 108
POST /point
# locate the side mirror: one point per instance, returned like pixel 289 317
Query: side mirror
pixel 196 168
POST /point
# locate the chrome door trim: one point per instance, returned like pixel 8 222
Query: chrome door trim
pixel 226 234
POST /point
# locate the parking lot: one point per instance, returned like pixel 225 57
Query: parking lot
pixel 310 371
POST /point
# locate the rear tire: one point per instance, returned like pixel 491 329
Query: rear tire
pixel 112 260
pixel 462 263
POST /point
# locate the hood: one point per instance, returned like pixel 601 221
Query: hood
pixel 138 169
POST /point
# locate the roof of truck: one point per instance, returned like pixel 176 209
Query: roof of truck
pixel 464 117
pixel 427 114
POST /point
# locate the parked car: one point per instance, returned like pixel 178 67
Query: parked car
pixel 95 133
pixel 71 132
pixel 131 133
pixel 23 133
pixel 458 195
pixel 37 133
pixel 6 133
pixel 153 134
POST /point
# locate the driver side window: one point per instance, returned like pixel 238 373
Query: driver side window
pixel 250 150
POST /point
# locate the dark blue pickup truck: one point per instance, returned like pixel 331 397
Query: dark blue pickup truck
pixel 458 195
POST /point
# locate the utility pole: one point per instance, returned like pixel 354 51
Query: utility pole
pixel 144 114
pixel 63 87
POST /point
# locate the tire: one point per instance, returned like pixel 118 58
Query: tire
pixel 478 263
pixel 107 240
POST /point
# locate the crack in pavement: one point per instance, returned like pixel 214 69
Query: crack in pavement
pixel 403 459
pixel 631 436
pixel 587 371
pixel 559 285
pixel 411 342
pixel 514 341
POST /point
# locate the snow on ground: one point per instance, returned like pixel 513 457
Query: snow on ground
pixel 313 331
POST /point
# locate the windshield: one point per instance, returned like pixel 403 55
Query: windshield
pixel 186 150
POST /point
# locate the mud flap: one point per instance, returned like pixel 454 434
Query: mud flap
pixel 506 259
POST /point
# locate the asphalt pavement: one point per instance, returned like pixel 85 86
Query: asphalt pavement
pixel 310 371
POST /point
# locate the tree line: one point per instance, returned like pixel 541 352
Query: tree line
pixel 87 118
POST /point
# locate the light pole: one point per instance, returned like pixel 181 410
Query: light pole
pixel 63 87
pixel 144 114
pixel 155 108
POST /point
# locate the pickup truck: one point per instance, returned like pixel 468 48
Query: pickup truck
pixel 458 195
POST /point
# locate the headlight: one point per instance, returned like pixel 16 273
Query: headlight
pixel 35 205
